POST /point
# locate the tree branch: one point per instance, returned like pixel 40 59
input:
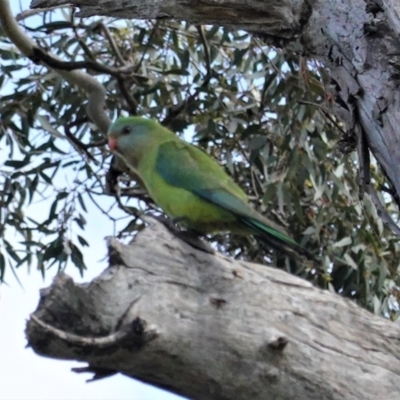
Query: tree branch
pixel 96 92
pixel 208 327
pixel 30 13
pixel 113 45
pixel 174 111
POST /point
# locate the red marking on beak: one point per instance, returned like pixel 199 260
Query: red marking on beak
pixel 112 143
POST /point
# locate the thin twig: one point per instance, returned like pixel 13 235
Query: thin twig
pixel 78 145
pixel 173 112
pixel 153 32
pixel 92 342
pixel 381 211
pixel 365 180
pixel 112 42
pixel 104 212
pixel 392 192
pixel 325 113
pixel 99 143
pixel 41 55
pixel 206 48
pixel 130 100
pixel 364 162
pixel 29 13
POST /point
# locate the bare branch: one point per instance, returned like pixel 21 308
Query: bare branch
pixel 364 161
pixel 96 92
pixel 30 13
pixel 383 214
pixel 206 49
pixel 113 45
pixel 174 111
pixel 153 32
pixel 51 61
pixel 78 145
pixel 130 100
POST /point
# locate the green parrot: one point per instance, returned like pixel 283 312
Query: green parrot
pixel 190 186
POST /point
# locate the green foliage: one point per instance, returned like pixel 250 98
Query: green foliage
pixel 260 111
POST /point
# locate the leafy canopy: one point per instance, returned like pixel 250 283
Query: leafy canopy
pixel 261 112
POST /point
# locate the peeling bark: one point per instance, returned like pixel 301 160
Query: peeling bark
pixel 357 40
pixel 280 17
pixel 207 327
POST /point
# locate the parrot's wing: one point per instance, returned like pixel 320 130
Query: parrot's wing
pixel 187 167
pixel 184 166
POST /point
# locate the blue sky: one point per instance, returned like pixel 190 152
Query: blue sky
pixel 25 375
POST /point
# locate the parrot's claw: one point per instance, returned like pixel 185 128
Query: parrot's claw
pixel 192 238
pixel 99 372
pixel 177 220
pixel 189 236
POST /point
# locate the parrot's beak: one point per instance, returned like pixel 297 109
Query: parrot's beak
pixel 112 143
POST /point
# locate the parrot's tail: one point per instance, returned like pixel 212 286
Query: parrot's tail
pixel 276 239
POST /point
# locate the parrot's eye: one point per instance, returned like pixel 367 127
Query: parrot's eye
pixel 126 130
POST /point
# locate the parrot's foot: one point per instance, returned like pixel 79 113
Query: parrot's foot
pixel 193 238
pixel 99 372
pixel 177 220
pixel 189 236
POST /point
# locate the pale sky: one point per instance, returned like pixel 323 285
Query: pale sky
pixel 25 375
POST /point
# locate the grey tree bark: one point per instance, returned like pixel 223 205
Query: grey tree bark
pixel 207 327
pixel 357 40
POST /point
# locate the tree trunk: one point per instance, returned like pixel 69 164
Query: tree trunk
pixel 207 327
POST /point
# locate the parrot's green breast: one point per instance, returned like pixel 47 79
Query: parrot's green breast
pixel 176 202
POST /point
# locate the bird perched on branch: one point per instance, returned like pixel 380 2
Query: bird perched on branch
pixel 190 186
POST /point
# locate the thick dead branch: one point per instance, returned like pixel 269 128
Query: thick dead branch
pixel 280 17
pixel 207 327
pixel 358 40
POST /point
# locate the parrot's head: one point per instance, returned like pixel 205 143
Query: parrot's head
pixel 130 136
